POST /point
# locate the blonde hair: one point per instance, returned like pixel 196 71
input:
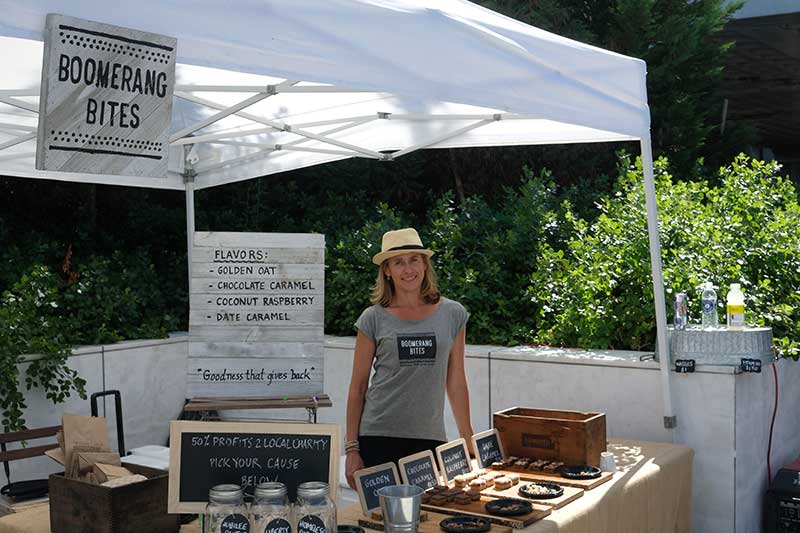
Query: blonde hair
pixel 383 290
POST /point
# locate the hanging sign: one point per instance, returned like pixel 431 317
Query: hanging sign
pixel 256 315
pixel 106 99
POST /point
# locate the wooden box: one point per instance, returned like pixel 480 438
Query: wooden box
pixel 571 437
pixel 80 506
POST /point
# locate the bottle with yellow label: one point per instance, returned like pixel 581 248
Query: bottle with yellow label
pixel 735 300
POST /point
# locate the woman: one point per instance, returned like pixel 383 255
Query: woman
pixel 415 340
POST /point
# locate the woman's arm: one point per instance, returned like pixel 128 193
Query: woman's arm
pixel 362 364
pixel 457 390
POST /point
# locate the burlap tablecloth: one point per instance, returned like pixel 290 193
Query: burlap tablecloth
pixel 651 492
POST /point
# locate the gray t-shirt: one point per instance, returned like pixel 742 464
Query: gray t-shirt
pixel 406 395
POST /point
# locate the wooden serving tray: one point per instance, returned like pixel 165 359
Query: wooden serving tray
pixel 570 495
pixel 477 509
pixel 585 484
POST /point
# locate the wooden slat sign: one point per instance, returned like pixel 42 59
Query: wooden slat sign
pixel 106 99
pixel 204 454
pixel 256 315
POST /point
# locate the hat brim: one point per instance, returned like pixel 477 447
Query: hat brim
pixel 379 258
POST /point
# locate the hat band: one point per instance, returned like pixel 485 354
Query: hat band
pixel 407 247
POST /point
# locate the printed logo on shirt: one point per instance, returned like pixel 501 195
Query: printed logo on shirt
pixel 416 349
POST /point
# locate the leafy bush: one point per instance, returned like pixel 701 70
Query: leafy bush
pixel 484 255
pixel 597 292
pixel 102 300
pixel 30 324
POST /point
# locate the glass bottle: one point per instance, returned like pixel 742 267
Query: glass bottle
pixel 226 511
pixel 269 512
pixel 314 511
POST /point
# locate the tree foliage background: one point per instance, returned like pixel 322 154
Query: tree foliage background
pixel 112 260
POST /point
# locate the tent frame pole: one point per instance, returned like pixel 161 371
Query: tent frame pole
pixel 670 420
pixel 189 175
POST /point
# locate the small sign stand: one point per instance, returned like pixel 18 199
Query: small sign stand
pixel 488 447
pixel 369 480
pixel 454 459
pixel 420 470
pixel 206 406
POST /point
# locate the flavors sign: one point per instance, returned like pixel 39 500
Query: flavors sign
pixel 106 99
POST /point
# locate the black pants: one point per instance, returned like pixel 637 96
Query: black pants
pixel 379 450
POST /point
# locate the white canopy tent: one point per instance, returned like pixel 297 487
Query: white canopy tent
pixel 269 86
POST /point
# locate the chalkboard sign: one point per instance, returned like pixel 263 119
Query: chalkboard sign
pixel 684 366
pixel 751 365
pixel 369 480
pixel 420 470
pixel 488 448
pixel 204 454
pixel 454 459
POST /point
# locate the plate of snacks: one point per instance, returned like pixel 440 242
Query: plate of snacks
pixel 508 507
pixel 541 490
pixel 580 472
pixel 465 524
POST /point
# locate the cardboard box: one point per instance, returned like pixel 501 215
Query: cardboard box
pixel 571 437
pixel 79 506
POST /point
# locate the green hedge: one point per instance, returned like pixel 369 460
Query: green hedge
pixel 596 291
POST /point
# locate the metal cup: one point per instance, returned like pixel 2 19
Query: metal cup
pixel 400 507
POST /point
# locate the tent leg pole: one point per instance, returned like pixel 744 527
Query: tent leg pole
pixel 670 421
pixel 189 225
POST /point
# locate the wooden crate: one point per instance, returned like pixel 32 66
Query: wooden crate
pixel 572 437
pixel 79 506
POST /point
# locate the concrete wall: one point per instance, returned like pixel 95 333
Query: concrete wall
pixel 723 415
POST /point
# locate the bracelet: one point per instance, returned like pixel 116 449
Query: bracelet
pixel 351 446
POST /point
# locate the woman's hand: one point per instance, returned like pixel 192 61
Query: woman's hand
pixel 353 464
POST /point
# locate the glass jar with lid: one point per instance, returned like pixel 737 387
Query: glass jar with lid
pixel 314 511
pixel 269 512
pixel 226 511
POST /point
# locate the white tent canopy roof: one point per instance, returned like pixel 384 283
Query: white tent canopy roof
pixel 348 78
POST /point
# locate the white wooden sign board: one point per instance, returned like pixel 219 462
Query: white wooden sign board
pixel 256 315
pixel 106 99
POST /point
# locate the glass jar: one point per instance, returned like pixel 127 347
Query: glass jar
pixel 314 511
pixel 269 512
pixel 226 511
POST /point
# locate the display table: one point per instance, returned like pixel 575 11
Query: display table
pixel 652 492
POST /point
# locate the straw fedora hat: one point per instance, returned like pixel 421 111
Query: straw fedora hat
pixel 398 242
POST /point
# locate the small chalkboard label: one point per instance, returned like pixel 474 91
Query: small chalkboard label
pixel 454 459
pixel 369 480
pixel 488 448
pixel 684 366
pixel 311 524
pixel 278 525
pixel 235 523
pixel 420 470
pixel 751 365
pixel 204 454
